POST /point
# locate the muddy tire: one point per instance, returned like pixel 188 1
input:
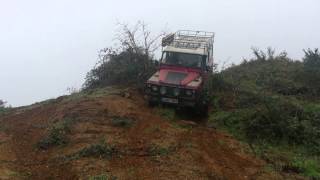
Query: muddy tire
pixel 203 110
pixel 202 106
pixel 152 103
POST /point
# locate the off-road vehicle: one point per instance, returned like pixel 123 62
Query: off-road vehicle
pixel 187 60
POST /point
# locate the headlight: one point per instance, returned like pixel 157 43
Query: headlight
pixel 176 91
pixel 163 90
pixel 154 88
pixel 189 92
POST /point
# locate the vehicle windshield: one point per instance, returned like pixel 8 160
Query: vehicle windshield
pixel 183 59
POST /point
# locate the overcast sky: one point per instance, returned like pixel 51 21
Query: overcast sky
pixel 48 46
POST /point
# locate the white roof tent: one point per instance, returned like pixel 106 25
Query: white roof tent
pixel 186 41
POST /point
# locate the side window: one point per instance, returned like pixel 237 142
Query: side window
pixel 204 62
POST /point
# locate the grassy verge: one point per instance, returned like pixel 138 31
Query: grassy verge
pixel 280 155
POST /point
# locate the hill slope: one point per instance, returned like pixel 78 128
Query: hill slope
pixel 112 133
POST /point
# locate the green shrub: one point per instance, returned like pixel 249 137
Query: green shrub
pixel 3 108
pixel 233 121
pixel 103 177
pixel 56 135
pixel 308 167
pixel 272 121
pixel 133 61
pixel 156 150
pixel 121 121
pixel 263 99
pixel 283 120
pixel 123 67
pixel 166 113
pixel 311 75
pixel 100 150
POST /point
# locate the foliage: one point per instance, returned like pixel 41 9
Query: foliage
pixel 103 177
pixel 56 135
pixel 121 122
pixel 2 103
pixel 267 101
pixel 267 72
pixel 283 120
pixel 156 150
pixel 131 63
pixel 166 113
pixel 271 99
pixel 309 167
pixel 3 108
pixel 99 150
pixel 311 75
pixel 125 67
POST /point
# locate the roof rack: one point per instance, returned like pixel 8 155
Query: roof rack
pixel 189 39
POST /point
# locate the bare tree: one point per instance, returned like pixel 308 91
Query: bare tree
pixel 138 38
pixel 2 103
pixel 131 59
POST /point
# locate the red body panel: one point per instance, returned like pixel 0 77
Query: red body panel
pixel 189 74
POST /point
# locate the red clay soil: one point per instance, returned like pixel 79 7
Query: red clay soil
pixel 151 148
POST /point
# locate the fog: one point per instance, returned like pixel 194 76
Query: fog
pixel 48 46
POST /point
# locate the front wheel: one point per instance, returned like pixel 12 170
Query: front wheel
pixel 152 103
pixel 203 110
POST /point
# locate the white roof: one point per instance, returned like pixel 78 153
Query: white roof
pixel 186 41
pixel 199 51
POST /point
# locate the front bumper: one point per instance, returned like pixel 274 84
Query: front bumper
pixel 180 100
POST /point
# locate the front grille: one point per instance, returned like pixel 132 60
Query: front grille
pixel 171 94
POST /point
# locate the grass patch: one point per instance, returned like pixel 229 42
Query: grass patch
pixel 184 126
pixel 230 121
pixel 74 96
pixel 57 134
pixel 20 175
pixel 99 150
pixel 166 113
pixel 308 167
pixel 289 159
pixel 155 128
pixel 101 92
pixel 156 150
pixel 281 155
pixel 103 177
pixel 92 93
pixel 47 102
pixel 121 122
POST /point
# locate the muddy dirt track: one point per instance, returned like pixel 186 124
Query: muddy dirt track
pixel 151 148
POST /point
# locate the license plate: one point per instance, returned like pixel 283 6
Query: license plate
pixel 170 100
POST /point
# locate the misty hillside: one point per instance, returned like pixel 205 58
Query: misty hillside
pixel 273 103
pixel 263 123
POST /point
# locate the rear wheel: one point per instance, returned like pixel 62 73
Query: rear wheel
pixel 203 104
pixel 202 110
pixel 152 103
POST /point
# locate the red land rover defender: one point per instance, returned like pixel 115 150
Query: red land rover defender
pixel 187 60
